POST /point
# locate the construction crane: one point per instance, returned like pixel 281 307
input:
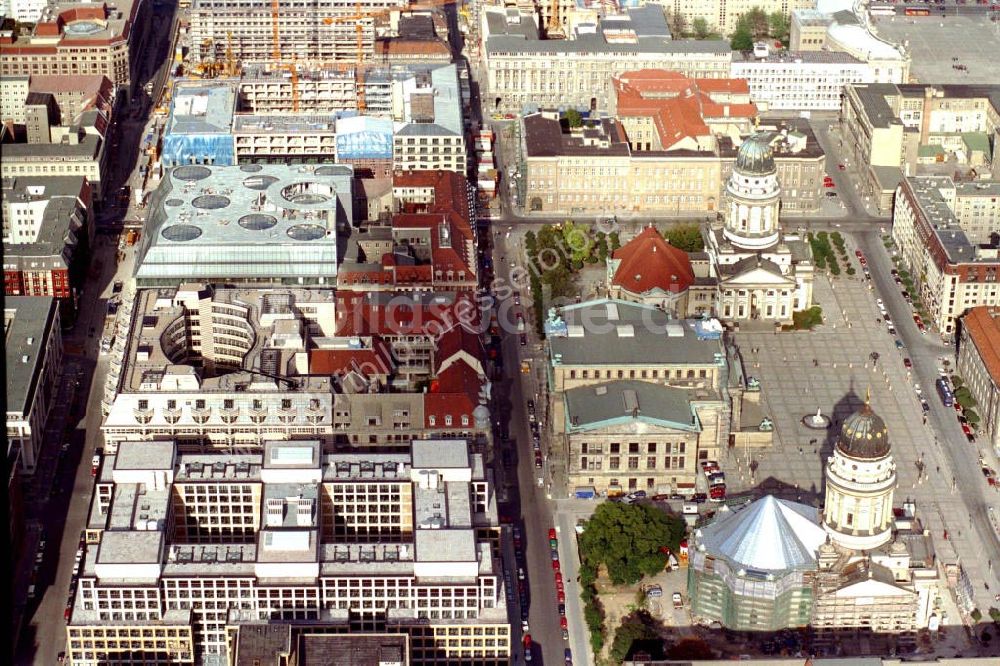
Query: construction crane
pixel 276 54
pixel 359 54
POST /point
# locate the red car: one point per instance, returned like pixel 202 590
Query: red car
pixel 527 641
pixel 828 183
pixel 555 565
pixel 561 597
pixel 907 363
pixel 858 254
pixel 68 612
pixel 841 167
pixel 552 533
pixel 966 429
pixel 563 624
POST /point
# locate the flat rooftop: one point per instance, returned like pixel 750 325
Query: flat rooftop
pixel 610 332
pixel 27 323
pixel 248 223
pixel 934 205
pixel 202 108
pixel 285 124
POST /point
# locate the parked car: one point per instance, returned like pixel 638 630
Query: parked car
pixel 907 363
pixel 678 601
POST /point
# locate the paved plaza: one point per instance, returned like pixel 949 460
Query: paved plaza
pixel 935 40
pixel 831 369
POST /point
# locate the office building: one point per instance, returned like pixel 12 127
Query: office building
pixel 76 153
pixel 800 80
pixel 226 368
pixel 432 135
pixel 844 32
pixel 191 549
pixel 270 644
pixel 77 39
pixel 979 367
pixel 267 90
pixel 324 31
pixel 596 168
pixel 199 129
pixel 47 228
pixel 951 273
pixel 13 93
pixel 888 127
pixel 857 569
pixel 252 224
pixel 525 73
pixel 33 357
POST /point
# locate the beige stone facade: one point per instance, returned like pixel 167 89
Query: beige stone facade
pixel 952 273
pixel 979 367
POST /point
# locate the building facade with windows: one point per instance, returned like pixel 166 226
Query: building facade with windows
pixel 951 273
pixel 800 80
pixel 33 353
pixel 627 435
pixel 186 550
pixel 525 72
pixel 979 367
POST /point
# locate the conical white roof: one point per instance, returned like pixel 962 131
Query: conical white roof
pixel 770 534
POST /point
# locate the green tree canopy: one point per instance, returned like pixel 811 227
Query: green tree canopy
pixel 742 39
pixel 573 118
pixel 700 26
pixel 627 538
pixel 779 26
pixel 686 237
pixel 639 626
pixel 577 240
pixel 677 24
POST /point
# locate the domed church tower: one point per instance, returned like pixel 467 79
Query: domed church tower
pixel 860 480
pixel 753 196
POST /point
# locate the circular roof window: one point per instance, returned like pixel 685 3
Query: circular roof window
pixel 306 232
pixel 210 201
pixel 250 168
pixel 333 170
pixel 181 232
pixel 259 182
pixel 192 172
pixel 257 221
pixel 174 202
pixel 307 193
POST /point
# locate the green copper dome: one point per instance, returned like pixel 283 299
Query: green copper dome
pixel 755 157
pixel 864 435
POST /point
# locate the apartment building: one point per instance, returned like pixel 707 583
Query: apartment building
pixel 13 93
pixel 595 169
pixel 721 15
pixel 979 367
pixel 77 39
pixel 800 80
pixel 323 31
pixel 952 274
pixel 976 204
pixel 33 357
pixel 24 11
pixel 252 224
pixel 525 72
pixel 47 222
pixel 886 126
pixel 285 139
pixel 201 547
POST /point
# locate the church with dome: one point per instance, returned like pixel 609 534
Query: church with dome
pixel 855 565
pixel 761 272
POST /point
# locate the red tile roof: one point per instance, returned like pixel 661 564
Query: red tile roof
pixel 363 314
pixel 983 325
pixel 458 344
pixel 649 262
pixel 376 360
pixel 455 393
pixel 679 105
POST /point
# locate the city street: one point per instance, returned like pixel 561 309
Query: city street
pixel 58 495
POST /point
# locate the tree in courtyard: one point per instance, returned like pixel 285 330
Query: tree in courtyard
pixel 778 26
pixel 614 241
pixel 757 19
pixel 629 540
pixel 573 118
pixel 700 27
pixel 636 627
pixel 685 237
pixel 742 38
pixel 577 240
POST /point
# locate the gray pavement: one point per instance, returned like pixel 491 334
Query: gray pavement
pixel 928 455
pixel 934 40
